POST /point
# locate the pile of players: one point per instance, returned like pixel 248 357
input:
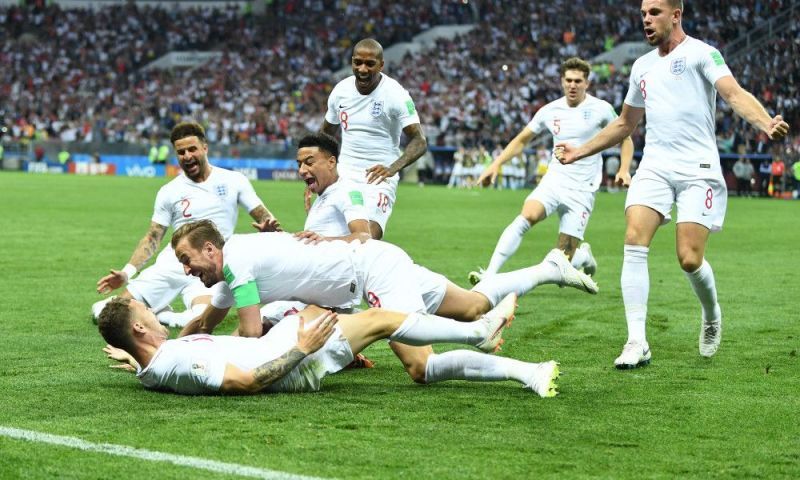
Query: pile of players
pixel 339 260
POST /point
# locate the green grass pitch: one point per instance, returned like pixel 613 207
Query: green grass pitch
pixel 733 416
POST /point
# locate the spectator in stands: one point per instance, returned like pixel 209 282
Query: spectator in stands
pixel 743 171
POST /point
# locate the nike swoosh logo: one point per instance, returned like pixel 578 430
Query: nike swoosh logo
pixel 342 106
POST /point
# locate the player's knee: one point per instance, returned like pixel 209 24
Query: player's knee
pixel 690 261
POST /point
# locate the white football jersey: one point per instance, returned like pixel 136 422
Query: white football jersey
pixel 678 94
pixel 371 124
pixel 267 267
pixel 340 204
pixel 575 125
pixel 217 199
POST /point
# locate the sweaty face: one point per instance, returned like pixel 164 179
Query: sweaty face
pixel 140 313
pixel 658 19
pixel 367 69
pixel 193 157
pixel 317 168
pixel 574 84
pixel 202 263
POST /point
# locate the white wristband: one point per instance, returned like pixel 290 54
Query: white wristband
pixel 129 270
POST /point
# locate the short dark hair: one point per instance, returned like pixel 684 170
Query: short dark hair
pixel 575 63
pixel 676 4
pixel 187 129
pixel 322 140
pixel 114 324
pixel 198 233
pixel 370 44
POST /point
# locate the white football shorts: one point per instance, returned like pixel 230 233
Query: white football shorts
pixel 574 207
pixel 698 200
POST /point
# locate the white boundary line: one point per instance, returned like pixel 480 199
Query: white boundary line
pixel 149 455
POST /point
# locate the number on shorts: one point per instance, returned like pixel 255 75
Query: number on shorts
pixel 343 118
pixel 643 84
pixel 373 300
pixel 383 202
pixel 709 198
pixel 185 202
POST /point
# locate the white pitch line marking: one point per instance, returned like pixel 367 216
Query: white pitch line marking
pixel 149 455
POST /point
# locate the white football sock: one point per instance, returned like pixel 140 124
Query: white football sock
pixel 420 329
pixel 476 367
pixel 180 319
pixel 702 281
pixel 580 258
pixel 508 243
pixel 635 283
pixel 495 287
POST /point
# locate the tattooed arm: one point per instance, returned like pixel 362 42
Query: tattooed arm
pixel 309 341
pixel 265 221
pixel 147 247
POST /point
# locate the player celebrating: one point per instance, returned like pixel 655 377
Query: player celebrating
pixel 566 189
pixel 372 109
pixel 202 192
pixel 675 85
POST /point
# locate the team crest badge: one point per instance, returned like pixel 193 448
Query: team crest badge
pixel 377 108
pixel 677 66
pixel 587 114
pixel 222 190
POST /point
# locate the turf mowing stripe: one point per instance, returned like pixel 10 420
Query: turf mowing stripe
pixel 123 451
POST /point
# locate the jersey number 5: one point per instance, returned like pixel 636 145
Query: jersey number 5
pixel 556 126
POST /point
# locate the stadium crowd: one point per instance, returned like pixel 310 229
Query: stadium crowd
pixel 77 74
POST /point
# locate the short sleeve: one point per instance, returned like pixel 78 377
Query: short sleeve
pixel 352 206
pixel 405 109
pixel 332 115
pixel 634 96
pixel 537 123
pixel 247 194
pixel 713 67
pixel 221 296
pixel 162 210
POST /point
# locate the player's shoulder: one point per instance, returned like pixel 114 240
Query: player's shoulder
pixel 599 103
pixel 344 86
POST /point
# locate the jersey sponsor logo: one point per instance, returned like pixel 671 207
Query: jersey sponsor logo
pixel 377 108
pixel 717 57
pixel 356 198
pixel 222 190
pixel 410 107
pixel 677 66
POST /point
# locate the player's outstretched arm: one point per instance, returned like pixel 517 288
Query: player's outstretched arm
pixel 748 107
pixel 417 146
pixel 125 359
pixel 205 322
pixel 514 148
pixel 623 176
pixel 265 221
pixel 309 340
pixel 147 246
pixel 613 134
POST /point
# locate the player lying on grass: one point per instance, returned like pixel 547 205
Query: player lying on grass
pixel 295 356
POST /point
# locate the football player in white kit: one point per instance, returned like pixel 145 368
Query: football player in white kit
pixel 200 192
pixel 372 110
pixel 675 85
pixel 566 189
pixel 296 355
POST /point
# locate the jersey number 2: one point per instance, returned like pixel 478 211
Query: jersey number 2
pixel 185 203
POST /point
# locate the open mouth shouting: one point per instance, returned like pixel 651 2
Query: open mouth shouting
pixel 311 183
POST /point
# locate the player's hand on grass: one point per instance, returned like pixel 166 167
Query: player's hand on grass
pixel 313 336
pixel 565 153
pixel 127 362
pixel 309 237
pixel 489 175
pixel 112 281
pixel 622 179
pixel 378 173
pixel 268 225
pixel 777 128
